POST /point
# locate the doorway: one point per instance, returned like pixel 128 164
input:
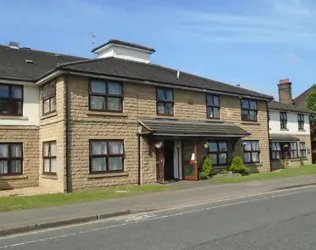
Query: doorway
pixel 169 159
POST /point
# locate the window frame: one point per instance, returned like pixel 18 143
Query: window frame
pixel 106 96
pixel 212 106
pixel 208 152
pixel 49 157
pixel 282 151
pixel 49 97
pixel 107 156
pixel 278 151
pixel 10 159
pixel 165 102
pixel 251 151
pixel 248 109
pixel 302 150
pixel 10 99
pixel 301 121
pixel 283 121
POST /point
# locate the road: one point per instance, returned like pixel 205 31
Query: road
pixel 279 220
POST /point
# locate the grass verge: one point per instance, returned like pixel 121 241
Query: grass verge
pixel 37 201
pixel 284 173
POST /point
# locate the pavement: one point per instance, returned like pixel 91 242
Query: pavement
pixel 33 219
pixel 281 220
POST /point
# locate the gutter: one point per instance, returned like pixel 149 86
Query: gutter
pixel 268 120
pixel 147 82
pixel 67 167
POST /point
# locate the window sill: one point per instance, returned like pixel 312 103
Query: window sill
pixel 47 176
pixel 49 115
pixel 301 130
pixel 284 129
pixel 250 123
pixel 294 160
pixel 13 177
pixel 8 117
pixel 171 117
pixel 100 113
pixel 107 175
pixel 250 165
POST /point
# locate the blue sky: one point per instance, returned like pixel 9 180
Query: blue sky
pixel 253 43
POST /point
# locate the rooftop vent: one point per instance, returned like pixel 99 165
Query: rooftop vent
pixel 29 61
pixel 13 45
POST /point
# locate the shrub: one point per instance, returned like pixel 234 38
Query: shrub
pixel 203 176
pixel 207 165
pixel 224 171
pixel 237 165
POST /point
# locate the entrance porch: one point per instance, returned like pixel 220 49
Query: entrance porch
pixel 181 146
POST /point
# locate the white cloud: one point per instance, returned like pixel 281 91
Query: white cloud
pixel 288 22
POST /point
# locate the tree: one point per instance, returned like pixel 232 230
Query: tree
pixel 311 105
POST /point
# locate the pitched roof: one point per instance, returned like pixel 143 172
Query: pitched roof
pixel 134 45
pixel 283 138
pixel 155 73
pixel 181 128
pixel 300 99
pixel 287 107
pixel 13 63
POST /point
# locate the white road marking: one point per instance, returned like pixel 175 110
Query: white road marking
pixel 150 218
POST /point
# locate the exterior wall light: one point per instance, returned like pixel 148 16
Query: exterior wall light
pixel 159 144
pixel 205 145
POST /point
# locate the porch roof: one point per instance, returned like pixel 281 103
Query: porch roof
pixel 283 138
pixel 191 128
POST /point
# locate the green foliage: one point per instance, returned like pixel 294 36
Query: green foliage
pixel 224 171
pixel 237 165
pixel 311 102
pixel 203 176
pixel 207 165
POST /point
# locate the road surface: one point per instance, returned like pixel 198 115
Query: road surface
pixel 280 220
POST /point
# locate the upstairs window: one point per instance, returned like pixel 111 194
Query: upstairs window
pixel 283 120
pixel 105 96
pixel 49 97
pixel 300 118
pixel 165 101
pixel 213 106
pixel 11 100
pixel 249 110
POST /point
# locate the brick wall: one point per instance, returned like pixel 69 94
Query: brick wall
pixel 140 100
pixel 280 164
pixel 52 128
pixel 29 137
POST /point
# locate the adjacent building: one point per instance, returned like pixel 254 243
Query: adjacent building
pixel 289 130
pixel 70 123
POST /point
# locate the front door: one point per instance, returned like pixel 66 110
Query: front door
pixel 189 152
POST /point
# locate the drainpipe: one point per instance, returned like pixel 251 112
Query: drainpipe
pixel 139 160
pixel 267 107
pixel 68 188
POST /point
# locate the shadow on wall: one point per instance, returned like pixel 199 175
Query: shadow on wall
pixel 4 185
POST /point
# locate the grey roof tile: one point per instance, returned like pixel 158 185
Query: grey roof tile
pixel 13 63
pixel 174 127
pixel 156 73
pixel 287 107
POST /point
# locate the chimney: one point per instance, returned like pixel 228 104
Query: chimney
pixel 124 50
pixel 285 91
